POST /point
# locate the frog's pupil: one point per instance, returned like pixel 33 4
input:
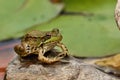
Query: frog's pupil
pixel 43 39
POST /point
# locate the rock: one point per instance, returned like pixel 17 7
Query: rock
pixel 117 13
pixel 68 69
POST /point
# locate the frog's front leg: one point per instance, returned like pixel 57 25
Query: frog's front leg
pixel 47 60
pixel 64 50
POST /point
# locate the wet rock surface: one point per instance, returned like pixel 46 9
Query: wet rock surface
pixel 69 68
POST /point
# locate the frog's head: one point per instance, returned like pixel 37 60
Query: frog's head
pixel 52 36
pixel 33 40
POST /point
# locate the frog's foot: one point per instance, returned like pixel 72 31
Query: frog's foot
pixel 64 50
pixel 47 60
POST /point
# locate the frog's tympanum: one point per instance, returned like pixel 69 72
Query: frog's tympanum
pixel 40 42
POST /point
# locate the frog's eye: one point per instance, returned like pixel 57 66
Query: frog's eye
pixel 46 37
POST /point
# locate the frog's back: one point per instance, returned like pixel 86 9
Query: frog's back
pixel 36 33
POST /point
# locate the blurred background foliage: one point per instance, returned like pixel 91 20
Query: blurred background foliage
pixel 88 26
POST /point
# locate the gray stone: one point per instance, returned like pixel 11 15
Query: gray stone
pixel 68 69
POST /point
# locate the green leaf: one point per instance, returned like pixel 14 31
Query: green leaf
pixel 18 15
pixel 90 6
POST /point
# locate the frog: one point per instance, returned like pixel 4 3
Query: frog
pixel 40 42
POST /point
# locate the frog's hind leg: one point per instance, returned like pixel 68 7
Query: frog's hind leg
pixel 47 60
pixel 64 50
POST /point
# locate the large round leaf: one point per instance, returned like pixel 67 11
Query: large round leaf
pixel 18 15
pixel 90 6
